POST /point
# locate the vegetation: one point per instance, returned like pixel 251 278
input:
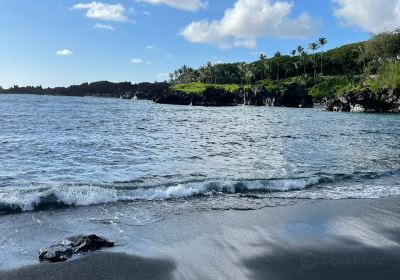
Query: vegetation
pixel 198 88
pixel 388 77
pixel 334 86
pixel 373 63
pixel 347 68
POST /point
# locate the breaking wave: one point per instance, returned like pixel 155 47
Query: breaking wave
pixel 36 198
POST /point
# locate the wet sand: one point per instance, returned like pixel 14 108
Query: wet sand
pixel 346 239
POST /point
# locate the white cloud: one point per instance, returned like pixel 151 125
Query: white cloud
pixel 103 26
pixel 64 52
pixel 150 47
pixel 149 63
pixel 98 10
pixel 137 60
pixel 369 15
pixel 146 13
pixel 248 20
pixel 163 76
pixel 188 5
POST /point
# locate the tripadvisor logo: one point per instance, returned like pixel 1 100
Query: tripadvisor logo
pixel 311 261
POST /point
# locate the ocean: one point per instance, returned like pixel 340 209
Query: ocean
pixel 71 165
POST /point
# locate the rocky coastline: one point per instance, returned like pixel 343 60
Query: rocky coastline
pixel 365 101
pixel 293 95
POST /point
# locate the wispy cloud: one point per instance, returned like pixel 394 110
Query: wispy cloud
pixel 103 26
pixel 64 52
pixel 137 60
pixel 188 5
pixel 163 76
pixel 150 47
pixel 98 10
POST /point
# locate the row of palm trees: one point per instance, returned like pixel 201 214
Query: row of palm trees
pixel 208 73
pixel 299 52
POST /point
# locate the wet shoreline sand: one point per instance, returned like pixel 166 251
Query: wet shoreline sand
pixel 326 239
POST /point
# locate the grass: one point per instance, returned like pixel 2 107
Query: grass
pixel 388 77
pixel 198 88
pixel 334 86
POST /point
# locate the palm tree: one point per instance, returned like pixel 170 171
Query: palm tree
pixel 293 54
pixel 277 57
pixel 242 72
pixel 303 55
pixel 249 75
pixel 314 47
pixel 262 58
pixel 210 72
pixel 322 42
pixel 203 74
pixel 362 54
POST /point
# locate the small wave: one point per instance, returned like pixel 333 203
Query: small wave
pixel 44 197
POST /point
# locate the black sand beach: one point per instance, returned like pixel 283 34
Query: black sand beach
pixel 346 239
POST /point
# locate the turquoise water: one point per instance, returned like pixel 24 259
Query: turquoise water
pixel 67 151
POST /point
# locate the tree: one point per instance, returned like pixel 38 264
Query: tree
pixel 242 72
pixel 313 47
pixel 203 74
pixel 322 42
pixel 249 75
pixel 293 54
pixel 303 56
pixel 384 46
pixel 210 72
pixel 362 54
pixel 262 58
pixel 277 57
pixel 171 77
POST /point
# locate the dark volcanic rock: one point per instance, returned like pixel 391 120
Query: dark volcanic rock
pixel 296 96
pixel 365 101
pixel 174 97
pixel 89 243
pixel 214 96
pixel 259 96
pixel 56 253
pixel 65 250
pixel 293 95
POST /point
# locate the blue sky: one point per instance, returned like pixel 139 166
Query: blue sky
pixel 63 42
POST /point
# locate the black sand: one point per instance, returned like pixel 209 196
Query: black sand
pixel 347 239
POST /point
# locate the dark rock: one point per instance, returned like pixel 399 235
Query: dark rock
pixel 89 243
pixel 296 96
pixel 174 97
pixel 365 101
pixel 56 253
pixel 72 245
pixel 292 95
pixel 258 95
pixel 214 96
pixel 336 105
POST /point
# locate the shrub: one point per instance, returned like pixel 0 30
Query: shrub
pixel 199 88
pixel 388 77
pixel 334 86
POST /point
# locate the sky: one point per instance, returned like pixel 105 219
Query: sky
pixel 64 42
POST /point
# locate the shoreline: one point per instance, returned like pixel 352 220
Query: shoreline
pixel 325 239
